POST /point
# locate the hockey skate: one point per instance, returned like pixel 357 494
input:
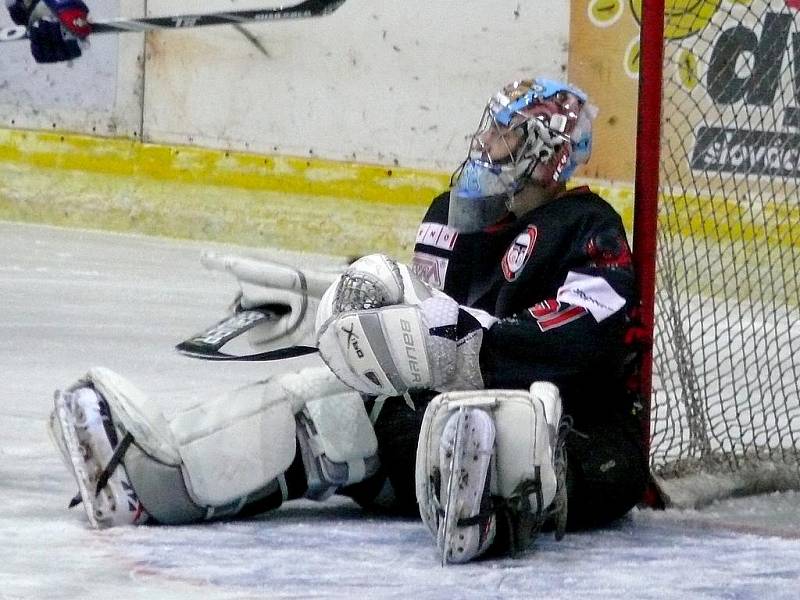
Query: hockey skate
pixel 92 448
pixel 468 525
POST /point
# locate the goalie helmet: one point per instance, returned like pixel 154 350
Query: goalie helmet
pixel 531 131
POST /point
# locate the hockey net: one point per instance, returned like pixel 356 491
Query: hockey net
pixel 725 408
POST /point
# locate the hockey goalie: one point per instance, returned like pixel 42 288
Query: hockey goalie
pixel 482 386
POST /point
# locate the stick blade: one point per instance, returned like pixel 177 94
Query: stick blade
pixel 208 344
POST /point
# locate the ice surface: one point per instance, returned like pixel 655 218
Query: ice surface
pixel 75 299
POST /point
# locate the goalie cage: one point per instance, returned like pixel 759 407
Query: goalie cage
pixel 723 285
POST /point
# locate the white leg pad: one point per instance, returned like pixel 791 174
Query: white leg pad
pixel 213 458
pixel 135 413
pixel 524 444
pixel 334 431
pixel 524 439
pixel 344 432
pixel 236 444
pixel 226 448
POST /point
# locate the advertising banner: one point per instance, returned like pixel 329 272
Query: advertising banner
pixel 731 92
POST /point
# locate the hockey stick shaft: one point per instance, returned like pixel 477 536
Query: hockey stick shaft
pixel 271 355
pixel 304 10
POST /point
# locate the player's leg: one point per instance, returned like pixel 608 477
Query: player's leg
pixel 608 471
pixel 397 422
pixel 491 469
pixel 300 434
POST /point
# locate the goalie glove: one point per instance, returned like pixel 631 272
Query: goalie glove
pixel 390 350
pixel 291 296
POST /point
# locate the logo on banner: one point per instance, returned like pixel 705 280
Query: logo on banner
pixel 518 253
pixel 772 149
pixel 726 56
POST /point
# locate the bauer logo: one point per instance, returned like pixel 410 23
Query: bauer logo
pixel 412 355
pixel 754 65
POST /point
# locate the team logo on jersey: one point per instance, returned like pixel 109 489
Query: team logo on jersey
pixel 518 253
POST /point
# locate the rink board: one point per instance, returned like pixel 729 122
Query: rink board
pixel 307 204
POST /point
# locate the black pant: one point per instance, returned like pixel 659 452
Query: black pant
pixel 606 471
pixel 397 429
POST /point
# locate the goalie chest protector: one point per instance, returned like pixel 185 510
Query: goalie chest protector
pixel 515 264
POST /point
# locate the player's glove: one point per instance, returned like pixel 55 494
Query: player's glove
pixel 54 27
pixel 291 297
pixel 386 332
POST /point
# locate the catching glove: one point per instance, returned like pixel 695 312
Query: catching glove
pixel 290 295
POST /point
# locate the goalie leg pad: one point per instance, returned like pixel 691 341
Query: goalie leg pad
pixel 160 465
pixel 235 445
pixel 242 444
pixel 110 434
pixel 215 458
pixel 337 443
pixel 334 433
pixel 523 480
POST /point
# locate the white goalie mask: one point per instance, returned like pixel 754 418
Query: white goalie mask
pixel 531 131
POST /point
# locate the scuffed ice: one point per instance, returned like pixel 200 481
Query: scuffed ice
pixel 71 300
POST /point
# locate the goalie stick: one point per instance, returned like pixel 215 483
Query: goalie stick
pixel 303 10
pixel 208 343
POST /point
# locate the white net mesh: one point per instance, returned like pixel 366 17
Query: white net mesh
pixel 726 404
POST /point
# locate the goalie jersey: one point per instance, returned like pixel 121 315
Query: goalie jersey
pixel 560 280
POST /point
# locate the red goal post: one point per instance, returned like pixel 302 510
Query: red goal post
pixel 645 215
pixel 717 245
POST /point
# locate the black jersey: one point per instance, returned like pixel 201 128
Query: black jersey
pixel 559 279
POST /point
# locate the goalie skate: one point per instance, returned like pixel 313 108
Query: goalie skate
pixel 468 525
pixel 90 444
